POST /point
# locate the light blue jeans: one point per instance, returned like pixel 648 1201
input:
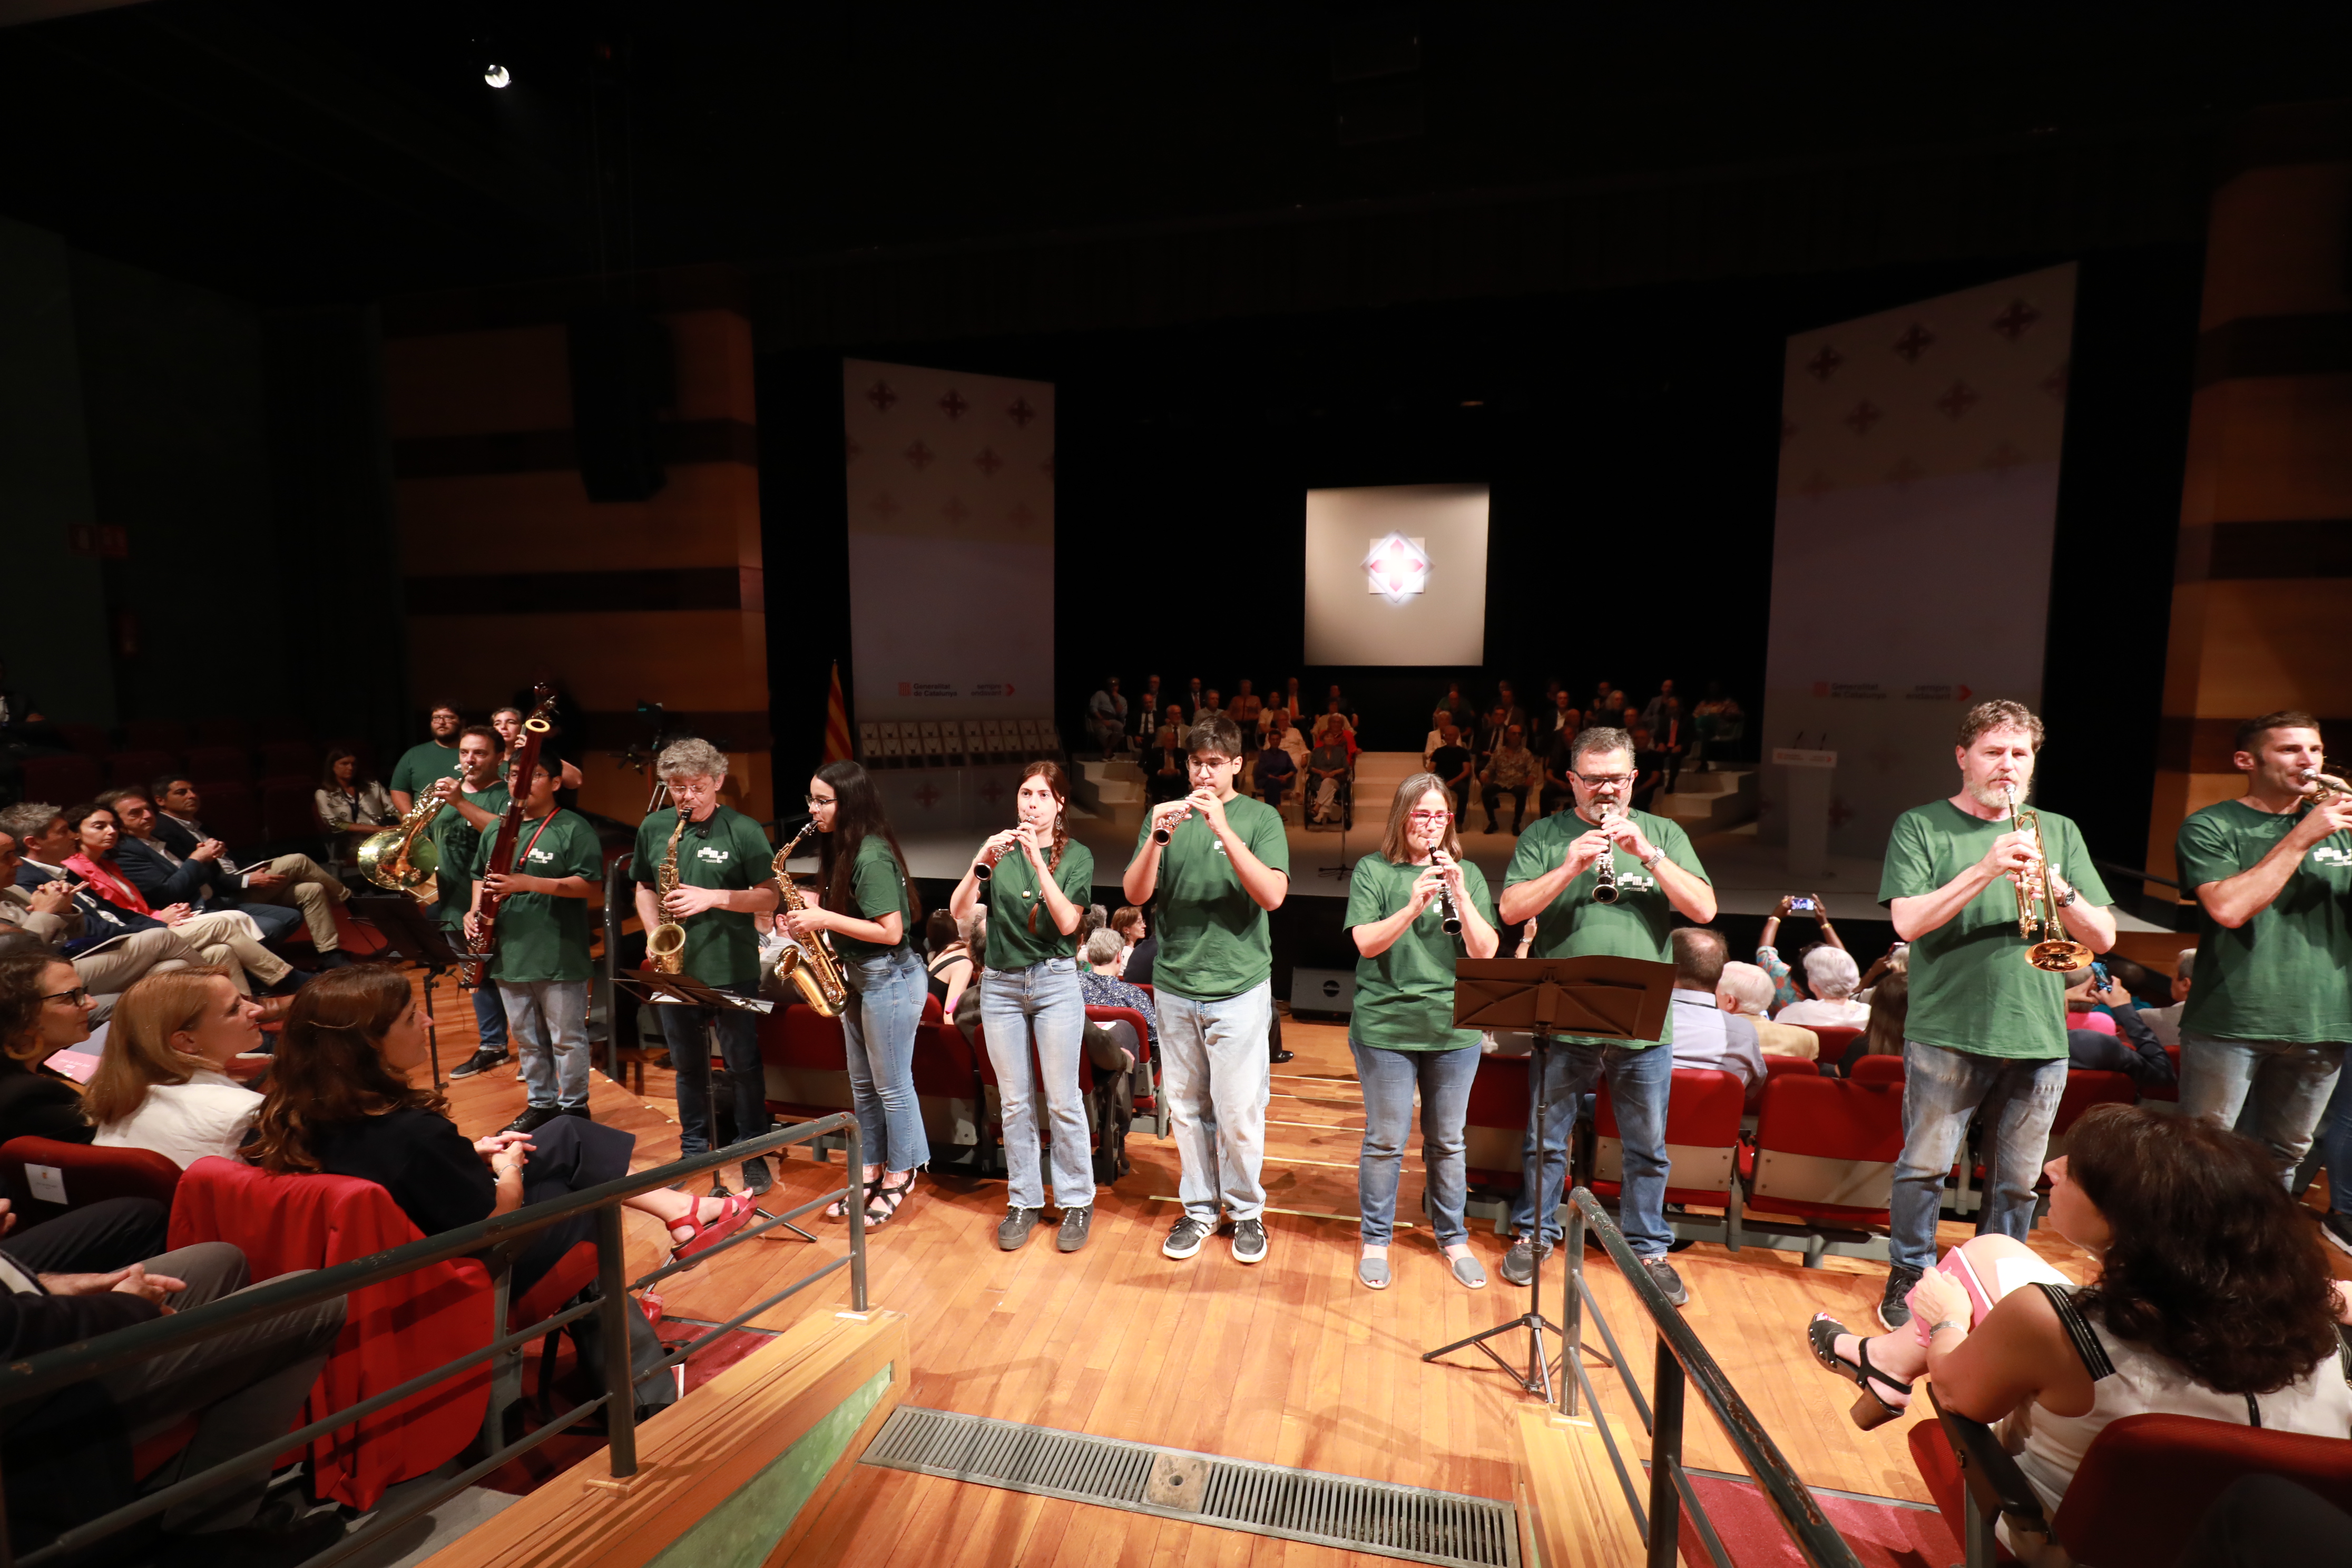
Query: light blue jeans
pixel 2271 1090
pixel 2336 1147
pixel 1040 1004
pixel 1640 1083
pixel 1213 1065
pixel 549 1020
pixel 1388 1078
pixel 878 1030
pixel 1942 1089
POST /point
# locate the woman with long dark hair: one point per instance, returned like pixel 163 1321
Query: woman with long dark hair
pixel 1402 1032
pixel 869 906
pixel 1037 883
pixel 2210 1300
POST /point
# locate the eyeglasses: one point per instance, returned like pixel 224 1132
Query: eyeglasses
pixel 73 998
pixel 813 801
pixel 1429 816
pixel 1604 780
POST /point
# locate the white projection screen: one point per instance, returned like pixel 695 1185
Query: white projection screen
pixel 1430 607
pixel 1912 540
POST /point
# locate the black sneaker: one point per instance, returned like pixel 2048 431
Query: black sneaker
pixel 482 1060
pixel 1894 1311
pixel 334 958
pixel 1012 1231
pixel 1249 1241
pixel 2338 1229
pixel 756 1179
pixel 1278 1058
pixel 1184 1237
pixel 581 1111
pixel 1072 1233
pixel 533 1118
pixel 1662 1274
pixel 1521 1263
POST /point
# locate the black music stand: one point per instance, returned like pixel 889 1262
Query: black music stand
pixel 1594 997
pixel 411 935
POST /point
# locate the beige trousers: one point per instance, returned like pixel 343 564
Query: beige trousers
pixel 309 887
pixel 111 971
pixel 233 932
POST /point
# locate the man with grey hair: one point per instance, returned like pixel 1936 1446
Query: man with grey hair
pixel 109 947
pixel 1705 1036
pixel 1831 976
pixel 725 878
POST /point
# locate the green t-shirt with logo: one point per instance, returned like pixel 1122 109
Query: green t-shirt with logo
pixel 878 888
pixel 422 765
pixel 1636 926
pixel 1404 996
pixel 1213 935
pixel 2283 975
pixel 541 937
pixel 458 841
pixel 725 850
pixel 1971 987
pixel 1012 895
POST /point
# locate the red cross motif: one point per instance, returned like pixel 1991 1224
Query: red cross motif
pixel 849 448
pixel 2011 324
pixel 881 396
pixel 1957 399
pixel 2054 384
pixel 929 796
pixel 955 510
pixel 991 791
pixel 1788 432
pixel 1865 414
pixel 1825 364
pixel 953 405
pixel 1914 343
pixel 988 462
pixel 1904 472
pixel 882 505
pixel 920 455
pixel 1021 412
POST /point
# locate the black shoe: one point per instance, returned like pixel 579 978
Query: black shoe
pixel 1278 1058
pixel 2336 1230
pixel 337 959
pixel 1662 1274
pixel 1894 1311
pixel 1521 1263
pixel 756 1179
pixel 581 1111
pixel 533 1118
pixel 1071 1234
pixel 480 1061
pixel 1249 1241
pixel 1012 1231
pixel 1184 1237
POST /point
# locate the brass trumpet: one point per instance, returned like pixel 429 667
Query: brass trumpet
pixel 2056 951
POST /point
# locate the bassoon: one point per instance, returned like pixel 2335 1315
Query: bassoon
pixel 482 942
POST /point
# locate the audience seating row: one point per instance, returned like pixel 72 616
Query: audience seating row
pixel 175 734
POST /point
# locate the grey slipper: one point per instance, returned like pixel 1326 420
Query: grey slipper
pixel 1469 1271
pixel 1373 1271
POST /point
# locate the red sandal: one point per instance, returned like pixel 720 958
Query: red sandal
pixel 737 1214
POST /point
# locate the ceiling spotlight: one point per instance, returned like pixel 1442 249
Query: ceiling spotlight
pixel 497 75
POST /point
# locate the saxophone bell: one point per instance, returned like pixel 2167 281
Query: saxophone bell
pixel 808 965
pixel 666 944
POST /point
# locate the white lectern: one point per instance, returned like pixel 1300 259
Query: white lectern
pixel 1809 775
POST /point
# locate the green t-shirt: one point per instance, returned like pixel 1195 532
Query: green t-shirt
pixel 1636 926
pixel 877 888
pixel 2282 975
pixel 1971 987
pixel 725 850
pixel 1212 934
pixel 422 765
pixel 458 841
pixel 1404 996
pixel 541 937
pixel 1011 893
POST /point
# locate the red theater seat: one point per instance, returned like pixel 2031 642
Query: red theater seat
pixel 155 735
pixel 62 781
pixel 1877 1069
pixel 1703 1113
pixel 138 769
pixel 88 1174
pixel 1836 1040
pixel 1494 1124
pixel 1825 1149
pixel 219 765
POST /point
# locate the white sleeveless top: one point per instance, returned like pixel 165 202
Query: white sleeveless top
pixel 2129 1378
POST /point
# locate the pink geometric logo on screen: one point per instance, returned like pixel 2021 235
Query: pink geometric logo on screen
pixel 954 510
pixel 988 462
pixel 1914 343
pixel 920 455
pixel 1825 364
pixel 1865 414
pixel 1021 412
pixel 1398 568
pixel 2012 322
pixel 929 795
pixel 1959 399
pixel 881 396
pixel 991 791
pixel 953 405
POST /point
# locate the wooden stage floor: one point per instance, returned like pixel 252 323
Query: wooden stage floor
pixel 1290 1362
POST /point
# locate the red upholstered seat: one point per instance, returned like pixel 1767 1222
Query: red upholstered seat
pixel 1825 1149
pixel 1835 1040
pixel 1137 1037
pixel 289 809
pixel 61 781
pixel 1494 1123
pixel 155 735
pixel 229 813
pixel 392 1332
pixel 1703 1112
pixel 1878 1069
pixel 290 759
pixel 229 731
pixel 218 764
pixel 89 1175
pixel 2084 1091
pixel 138 768
pixel 1790 1067
pixel 806 1062
pixel 87 740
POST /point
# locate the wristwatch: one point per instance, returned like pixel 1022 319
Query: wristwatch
pixel 1650 861
pixel 2065 896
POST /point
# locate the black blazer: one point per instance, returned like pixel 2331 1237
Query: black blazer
pixel 100 920
pixel 37 1105
pixel 150 871
pixel 181 839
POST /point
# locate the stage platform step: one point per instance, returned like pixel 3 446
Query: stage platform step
pixel 1112 789
pixel 1711 801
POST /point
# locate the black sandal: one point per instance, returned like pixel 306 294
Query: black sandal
pixel 889 1197
pixel 1872 1408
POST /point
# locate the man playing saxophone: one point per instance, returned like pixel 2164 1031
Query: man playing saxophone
pixel 1987 1027
pixel 723 879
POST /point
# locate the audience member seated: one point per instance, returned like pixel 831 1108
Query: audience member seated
pixel 351 804
pixel 1276 774
pixel 344 1099
pixel 1106 716
pixel 68 1458
pixel 951 966
pixel 1785 986
pixel 1099 982
pixel 43 1009
pixel 1560 718
pixel 2127 1045
pixel 1746 990
pixel 1163 763
pixel 1716 723
pixel 2209 1301
pixel 1707 1035
pixel 2083 1010
pixel 1649 770
pixel 1654 710
pixel 95 830
pixel 1326 768
pixel 2165 1022
pixel 1294 741
pixel 1557 748
pixel 1511 771
pixel 109 948
pixel 1670 738
pixel 199 880
pixel 1454 765
pixel 1127 921
pixel 163 1080
pixel 1143 951
pixel 1832 977
pixel 1890 1014
pixel 1244 711
pixel 1437 736
pixel 288 881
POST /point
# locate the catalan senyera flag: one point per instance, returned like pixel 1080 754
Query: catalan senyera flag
pixel 837 746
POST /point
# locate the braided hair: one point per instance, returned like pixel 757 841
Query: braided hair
pixel 1059 783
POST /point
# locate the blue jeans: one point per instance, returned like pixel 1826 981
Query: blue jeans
pixel 689 1054
pixel 1388 1078
pixel 1213 1065
pixel 877 1027
pixel 1639 1083
pixel 1041 1003
pixel 2335 1146
pixel 489 1015
pixel 551 1033
pixel 2271 1090
pixel 1941 1090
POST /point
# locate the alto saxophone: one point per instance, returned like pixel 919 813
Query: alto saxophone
pixel 400 859
pixel 810 968
pixel 666 944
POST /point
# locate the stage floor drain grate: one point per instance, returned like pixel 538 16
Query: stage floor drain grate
pixel 1408 1522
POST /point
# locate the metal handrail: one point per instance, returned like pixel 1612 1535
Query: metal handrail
pixel 53 1370
pixel 1682 1361
pixel 2113 869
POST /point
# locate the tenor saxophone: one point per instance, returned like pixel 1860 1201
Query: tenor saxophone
pixel 810 968
pixel 666 944
pixel 400 859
